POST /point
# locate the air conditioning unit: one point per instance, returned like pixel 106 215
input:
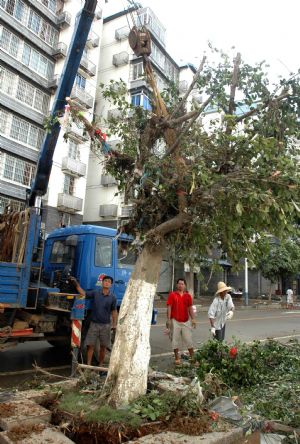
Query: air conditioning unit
pixel 114 114
pixel 64 20
pixel 126 211
pixel 108 210
pixel 122 58
pixel 122 33
pixel 107 180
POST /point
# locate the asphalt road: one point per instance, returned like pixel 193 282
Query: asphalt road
pixel 247 325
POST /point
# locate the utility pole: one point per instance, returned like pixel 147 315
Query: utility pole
pixel 246 282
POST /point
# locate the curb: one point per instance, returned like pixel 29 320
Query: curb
pixel 204 308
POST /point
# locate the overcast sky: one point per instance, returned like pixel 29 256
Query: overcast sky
pixel 259 29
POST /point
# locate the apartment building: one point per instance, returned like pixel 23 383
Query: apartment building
pixel 117 61
pixel 34 40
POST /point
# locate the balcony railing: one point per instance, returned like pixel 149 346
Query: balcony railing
pixel 93 40
pixel 73 167
pixel 82 97
pixel 88 66
pixel 77 133
pixel 68 203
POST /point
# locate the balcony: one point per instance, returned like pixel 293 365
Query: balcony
pixel 122 58
pixel 73 167
pixel 64 20
pixel 126 211
pixel 93 40
pixel 108 180
pixel 68 203
pixel 110 210
pixel 138 83
pixel 81 97
pixel 76 132
pixel 88 66
pixel 59 51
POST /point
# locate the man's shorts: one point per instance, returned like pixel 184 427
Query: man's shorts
pixel 98 331
pixel 181 333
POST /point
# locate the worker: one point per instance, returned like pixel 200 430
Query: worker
pixel 220 311
pixel 103 309
pixel 179 312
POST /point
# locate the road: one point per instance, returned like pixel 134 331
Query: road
pixel 247 325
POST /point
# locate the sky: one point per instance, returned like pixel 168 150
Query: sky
pixel 259 29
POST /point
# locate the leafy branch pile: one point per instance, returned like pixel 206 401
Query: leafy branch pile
pixel 265 375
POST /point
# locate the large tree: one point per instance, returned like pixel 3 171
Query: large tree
pixel 279 261
pixel 198 175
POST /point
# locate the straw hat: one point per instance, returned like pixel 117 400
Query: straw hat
pixel 222 287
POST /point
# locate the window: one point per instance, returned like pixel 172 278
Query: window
pixel 7 81
pixel 3 121
pixel 103 252
pixel 74 152
pixel 126 255
pixel 11 204
pixel 15 169
pixel 34 22
pixel 9 42
pixel 80 81
pixel 137 71
pixel 69 185
pixel 60 253
pixel 23 131
pixel 141 100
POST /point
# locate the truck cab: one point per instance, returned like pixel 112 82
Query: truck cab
pixel 89 252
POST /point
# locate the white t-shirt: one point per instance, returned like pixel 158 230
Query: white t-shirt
pixel 218 309
pixel 289 293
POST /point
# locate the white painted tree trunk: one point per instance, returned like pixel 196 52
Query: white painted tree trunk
pixel 129 361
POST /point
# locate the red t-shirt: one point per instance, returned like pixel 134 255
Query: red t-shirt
pixel 179 305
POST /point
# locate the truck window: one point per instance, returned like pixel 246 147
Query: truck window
pixel 60 253
pixel 126 255
pixel 103 252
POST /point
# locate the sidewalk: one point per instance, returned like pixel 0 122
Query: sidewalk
pixel 203 303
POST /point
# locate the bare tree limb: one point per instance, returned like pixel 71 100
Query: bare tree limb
pixel 187 127
pixel 170 225
pixel 234 83
pixel 195 78
pixel 172 123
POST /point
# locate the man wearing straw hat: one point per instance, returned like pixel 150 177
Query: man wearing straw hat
pixel 220 311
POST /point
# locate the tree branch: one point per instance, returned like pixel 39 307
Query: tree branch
pixel 187 127
pixel 234 83
pixel 174 122
pixel 195 78
pixel 263 106
pixel 170 225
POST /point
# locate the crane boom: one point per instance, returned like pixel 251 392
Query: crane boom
pixel 79 38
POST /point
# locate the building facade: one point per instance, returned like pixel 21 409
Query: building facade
pixel 117 61
pixel 34 40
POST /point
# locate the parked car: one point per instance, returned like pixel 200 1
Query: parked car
pixel 236 293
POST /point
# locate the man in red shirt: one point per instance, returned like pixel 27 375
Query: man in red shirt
pixel 179 312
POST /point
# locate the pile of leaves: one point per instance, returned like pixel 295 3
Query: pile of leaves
pixel 266 375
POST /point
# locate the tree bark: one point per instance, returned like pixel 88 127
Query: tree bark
pixel 128 368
